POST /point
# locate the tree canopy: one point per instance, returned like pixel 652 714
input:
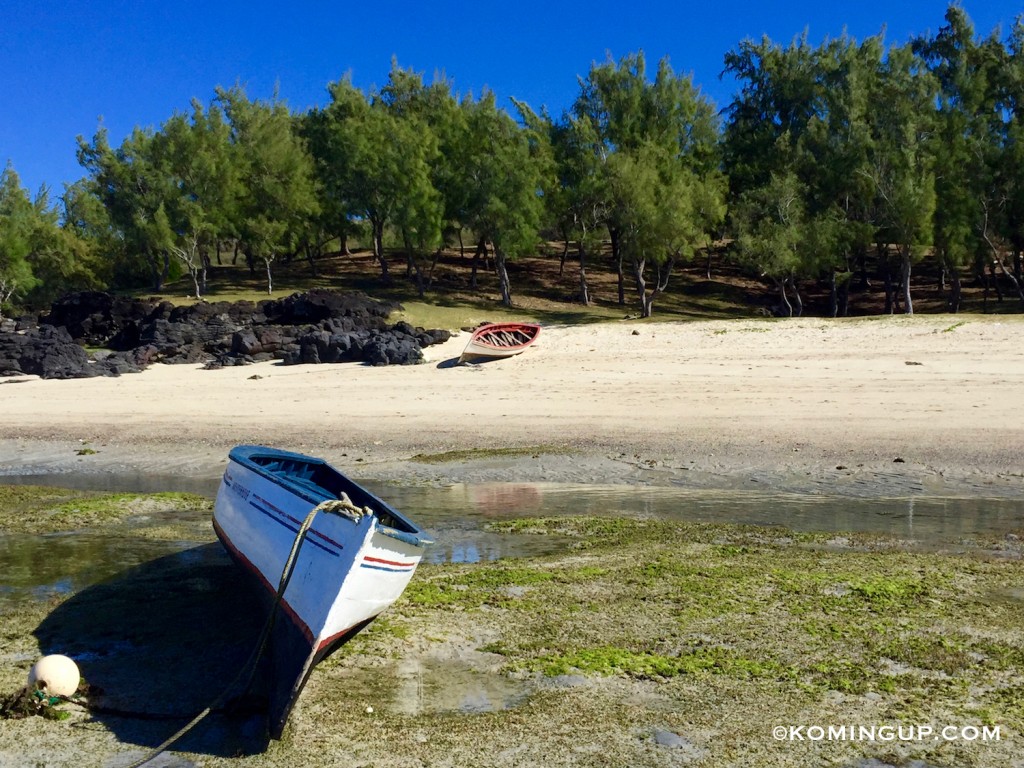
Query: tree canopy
pixel 828 155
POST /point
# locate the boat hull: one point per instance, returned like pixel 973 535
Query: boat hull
pixel 347 570
pixel 499 340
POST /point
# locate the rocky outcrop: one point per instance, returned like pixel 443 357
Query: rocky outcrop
pixel 305 328
pixel 51 353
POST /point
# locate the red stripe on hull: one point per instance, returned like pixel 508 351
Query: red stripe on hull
pixel 290 612
pixel 326 642
pixel 388 562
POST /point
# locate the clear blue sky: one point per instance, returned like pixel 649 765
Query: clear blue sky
pixel 63 66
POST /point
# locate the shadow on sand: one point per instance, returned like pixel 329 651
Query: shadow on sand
pixel 162 641
pixel 454 362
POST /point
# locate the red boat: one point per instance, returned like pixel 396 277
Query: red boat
pixel 496 340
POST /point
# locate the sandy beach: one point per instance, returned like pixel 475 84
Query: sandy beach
pixel 881 405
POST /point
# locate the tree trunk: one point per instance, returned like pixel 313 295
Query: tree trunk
pixel 565 254
pixel 862 267
pixel 833 296
pixel 7 289
pixel 194 274
pixel 413 268
pixel 844 296
pixel 796 295
pixel 1009 276
pixel 998 260
pixel 707 263
pixel 584 289
pixel 905 281
pixel 662 273
pixel 378 248
pixel 995 281
pixel 165 268
pixel 378 240
pixel 503 282
pixel 1016 266
pixel 310 258
pixel 785 306
pixel 154 271
pixel 982 277
pixel 481 247
pixel 343 245
pixel 954 291
pixel 270 278
pixel 646 299
pixel 433 266
pixel 421 287
pixel 887 285
pixel 617 256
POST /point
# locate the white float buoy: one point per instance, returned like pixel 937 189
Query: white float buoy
pixel 57 675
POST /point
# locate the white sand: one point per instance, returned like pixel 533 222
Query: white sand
pixel 715 396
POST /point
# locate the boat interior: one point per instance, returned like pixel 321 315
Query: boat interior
pixel 320 481
pixel 506 337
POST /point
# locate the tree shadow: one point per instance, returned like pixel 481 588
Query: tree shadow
pixel 159 643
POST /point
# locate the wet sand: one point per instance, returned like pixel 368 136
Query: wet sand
pixel 885 406
pixel 639 643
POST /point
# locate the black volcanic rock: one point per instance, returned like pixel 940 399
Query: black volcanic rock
pixel 48 352
pixel 94 317
pixel 305 328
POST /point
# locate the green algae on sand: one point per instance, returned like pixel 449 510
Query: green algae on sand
pixel 39 509
pixel 643 642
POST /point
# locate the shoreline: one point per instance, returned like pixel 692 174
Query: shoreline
pixel 52 459
pixel 879 407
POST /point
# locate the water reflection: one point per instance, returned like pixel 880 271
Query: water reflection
pixel 467 507
pixel 456 513
pixel 38 567
pixel 57 565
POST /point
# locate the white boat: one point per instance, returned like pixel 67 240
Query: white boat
pixel 357 557
pixel 494 341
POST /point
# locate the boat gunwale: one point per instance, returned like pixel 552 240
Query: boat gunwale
pixel 243 456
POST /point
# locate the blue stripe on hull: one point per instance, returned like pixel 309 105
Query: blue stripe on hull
pixel 293 528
